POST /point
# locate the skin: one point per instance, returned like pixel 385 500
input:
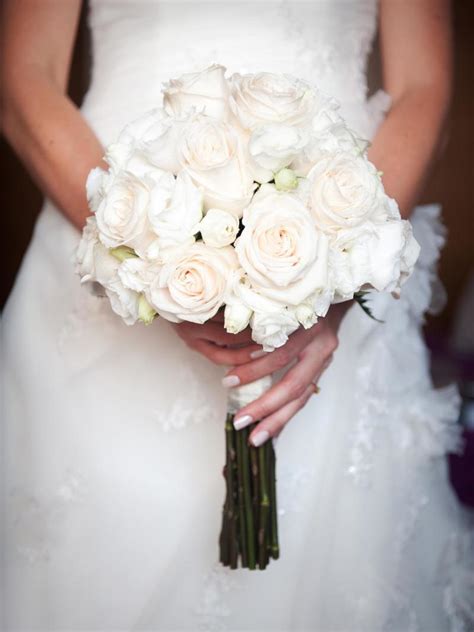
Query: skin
pixel 59 149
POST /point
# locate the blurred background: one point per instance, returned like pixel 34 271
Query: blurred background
pixel 450 334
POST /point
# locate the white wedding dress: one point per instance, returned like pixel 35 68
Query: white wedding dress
pixel 113 435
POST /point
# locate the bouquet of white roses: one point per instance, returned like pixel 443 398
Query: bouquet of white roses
pixel 250 194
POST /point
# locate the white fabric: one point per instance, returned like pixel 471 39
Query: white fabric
pixel 114 440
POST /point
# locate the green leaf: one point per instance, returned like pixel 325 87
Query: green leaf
pixel 361 298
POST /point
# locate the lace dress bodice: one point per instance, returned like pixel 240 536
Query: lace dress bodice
pixel 138 44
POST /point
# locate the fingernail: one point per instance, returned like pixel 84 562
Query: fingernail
pixel 243 421
pixel 230 380
pixel 260 437
pixel 258 354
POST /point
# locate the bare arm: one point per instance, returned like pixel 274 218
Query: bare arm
pixel 416 57
pixel 41 123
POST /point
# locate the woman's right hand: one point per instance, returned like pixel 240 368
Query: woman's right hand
pixel 218 346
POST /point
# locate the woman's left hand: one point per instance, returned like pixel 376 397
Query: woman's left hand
pixel 312 349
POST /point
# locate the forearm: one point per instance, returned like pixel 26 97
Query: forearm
pixel 53 140
pixel 408 142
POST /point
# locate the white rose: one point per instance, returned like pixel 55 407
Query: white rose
pixel 272 329
pixel 306 315
pixel 138 274
pixel 175 210
pixel 274 146
pixel 211 153
pixel 193 283
pixel 271 321
pixel 281 250
pixel 84 263
pixel 316 305
pixel 124 302
pixel 326 115
pixel 236 316
pixel 265 97
pixel 149 141
pixel 218 228
pixel 122 213
pixel 409 256
pixel 94 263
pixel 129 158
pixel 346 191
pixel 96 187
pixel 206 91
pixel 381 257
pixel 337 139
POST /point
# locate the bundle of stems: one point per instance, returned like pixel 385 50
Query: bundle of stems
pixel 249 535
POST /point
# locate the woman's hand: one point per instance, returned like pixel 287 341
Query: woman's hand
pixel 311 351
pixel 218 346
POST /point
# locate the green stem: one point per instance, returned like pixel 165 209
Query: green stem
pixel 255 490
pixel 231 514
pixel 264 507
pixel 274 546
pixel 224 537
pixel 241 497
pixel 249 523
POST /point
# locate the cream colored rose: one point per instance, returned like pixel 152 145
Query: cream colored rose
pixel 273 147
pixel 122 213
pixel 280 249
pixel 272 329
pixel 95 264
pixel 338 138
pixel 257 99
pixel 84 264
pixel 218 228
pixel 381 257
pixel 138 274
pixel 148 141
pixel 206 91
pixel 236 316
pixel 271 321
pixel 193 283
pixel 96 187
pixel 175 210
pixel 211 153
pixel 346 191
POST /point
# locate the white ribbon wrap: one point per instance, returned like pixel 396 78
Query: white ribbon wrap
pixel 240 396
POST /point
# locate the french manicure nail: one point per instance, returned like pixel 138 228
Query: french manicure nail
pixel 242 422
pixel 258 354
pixel 260 437
pixel 230 380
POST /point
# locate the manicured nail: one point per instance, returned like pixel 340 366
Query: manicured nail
pixel 260 437
pixel 243 421
pixel 230 380
pixel 258 354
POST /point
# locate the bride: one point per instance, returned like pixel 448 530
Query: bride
pixel 114 435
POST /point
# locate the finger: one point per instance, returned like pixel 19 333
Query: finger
pixel 274 424
pixel 274 361
pixel 223 355
pixel 219 317
pixel 214 332
pixel 308 369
